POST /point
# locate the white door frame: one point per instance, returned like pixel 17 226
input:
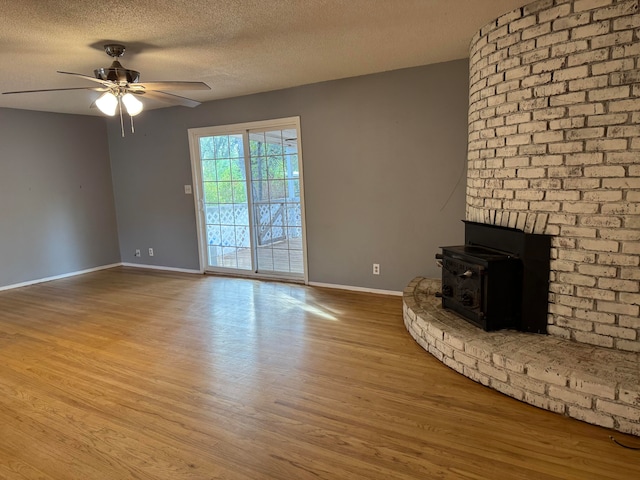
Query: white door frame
pixel 198 197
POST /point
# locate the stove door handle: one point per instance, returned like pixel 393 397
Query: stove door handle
pixel 467 274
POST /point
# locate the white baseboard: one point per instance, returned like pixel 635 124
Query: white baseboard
pixel 159 267
pixel 58 277
pixel 184 270
pixel 356 289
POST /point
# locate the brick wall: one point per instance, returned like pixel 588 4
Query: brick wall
pixel 554 147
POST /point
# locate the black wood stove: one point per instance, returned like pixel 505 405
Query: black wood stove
pixel 498 279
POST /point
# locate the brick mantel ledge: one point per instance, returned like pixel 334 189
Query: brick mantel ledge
pixel 593 384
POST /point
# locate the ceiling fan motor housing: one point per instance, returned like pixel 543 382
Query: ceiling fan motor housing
pixel 117 73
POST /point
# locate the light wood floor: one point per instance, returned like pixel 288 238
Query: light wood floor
pixel 132 374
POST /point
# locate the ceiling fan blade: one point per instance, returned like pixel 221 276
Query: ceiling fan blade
pixel 171 86
pixel 170 98
pixel 97 89
pixel 87 77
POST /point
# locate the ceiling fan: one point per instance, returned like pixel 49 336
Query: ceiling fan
pixel 121 86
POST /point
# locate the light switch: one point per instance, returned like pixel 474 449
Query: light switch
pixel 187 190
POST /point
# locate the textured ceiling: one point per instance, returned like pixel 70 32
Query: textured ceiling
pixel 237 47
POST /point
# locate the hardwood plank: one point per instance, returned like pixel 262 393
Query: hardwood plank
pixel 127 373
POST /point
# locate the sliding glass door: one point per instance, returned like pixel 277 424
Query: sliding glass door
pixel 249 192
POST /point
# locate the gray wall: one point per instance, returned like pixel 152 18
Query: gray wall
pixel 57 211
pixel 381 153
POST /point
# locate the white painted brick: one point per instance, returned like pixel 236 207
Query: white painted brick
pixel 598 388
pixel 568 48
pixel 616 38
pixel 617 10
pixel 591 158
pixel 623 131
pixel 535 7
pixel 465 359
pixel 599 221
pixel 586 109
pixel 493 372
pixel 628 345
pixel 589 416
pixel 507 389
pixel 605 145
pixel 589 83
pixel 619 410
pixel 477 376
pixel 593 339
pixel 622 260
pixel 599 245
pixel 559 11
pixel 514 365
pixel 581 5
pixel 523 382
pixel 622 157
pixel 563 219
pixel 603 196
pixel 444 348
pixel 574 302
pixel 619 285
pixel 570 21
pixel 579 207
pixel 591 56
pixel 596 294
pixel 542 401
pixel 600 172
pixel 568 99
pixel 629 396
pixel 546 374
pixel 574 324
pixel 632 428
pixel 631 105
pixel 591 30
pixel 613 119
pixel 480 352
pixel 630 273
pixel 633 299
pixel 570 397
pixel 451 363
pixel 435 352
pixel 559 332
pixel 435 331
pixel 536 31
pixel 617 332
pixel 629 322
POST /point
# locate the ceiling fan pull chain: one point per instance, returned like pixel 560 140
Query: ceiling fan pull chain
pixel 121 121
pixel 132 129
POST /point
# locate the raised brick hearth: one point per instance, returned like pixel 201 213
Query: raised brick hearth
pixel 594 384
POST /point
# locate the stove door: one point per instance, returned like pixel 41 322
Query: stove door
pixel 463 289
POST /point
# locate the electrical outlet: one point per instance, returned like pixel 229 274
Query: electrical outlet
pixel 151 252
pixel 376 269
pixel 188 190
pixel 137 254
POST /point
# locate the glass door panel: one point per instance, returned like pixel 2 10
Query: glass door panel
pixel 275 188
pixel 226 207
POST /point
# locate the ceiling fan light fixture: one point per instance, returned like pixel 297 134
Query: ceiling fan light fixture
pixel 132 104
pixel 107 103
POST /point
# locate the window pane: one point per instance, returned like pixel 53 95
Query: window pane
pixel 210 192
pixel 206 148
pixel 222 146
pixel 236 146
